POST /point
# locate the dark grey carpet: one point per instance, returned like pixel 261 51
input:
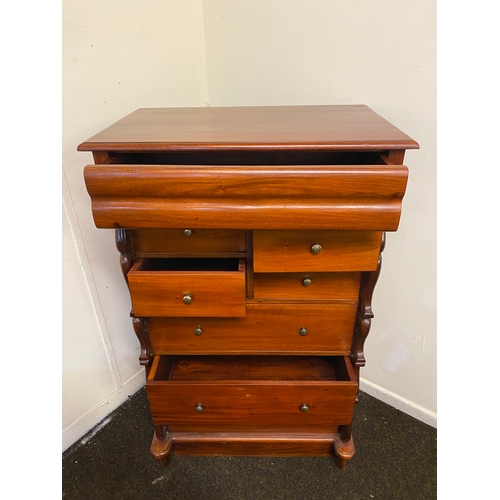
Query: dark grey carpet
pixel 395 458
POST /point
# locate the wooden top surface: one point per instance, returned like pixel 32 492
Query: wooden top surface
pixel 339 127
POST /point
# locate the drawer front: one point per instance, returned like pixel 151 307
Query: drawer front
pixel 308 251
pixel 313 399
pixel 266 328
pixel 157 241
pixel 187 293
pixel 312 286
pixel 253 404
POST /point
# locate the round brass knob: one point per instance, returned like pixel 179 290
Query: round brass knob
pixel 198 330
pixel 199 408
pixel 316 248
pixel 304 408
pixel 303 331
pixel 187 299
pixel 188 232
pixel 306 281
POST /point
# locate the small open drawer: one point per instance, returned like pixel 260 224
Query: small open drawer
pixel 188 287
pixel 255 391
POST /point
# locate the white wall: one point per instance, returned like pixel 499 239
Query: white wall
pixel 118 56
pixel 383 54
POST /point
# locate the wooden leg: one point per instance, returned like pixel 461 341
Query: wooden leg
pixel 161 445
pixel 345 432
pixel 343 450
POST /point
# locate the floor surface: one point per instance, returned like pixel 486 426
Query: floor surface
pixel 395 458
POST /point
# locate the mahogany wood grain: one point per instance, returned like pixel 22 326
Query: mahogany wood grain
pixel 272 401
pixel 161 445
pixel 351 197
pixel 237 427
pixel 396 157
pixel 343 450
pixel 101 157
pixel 365 313
pixel 213 292
pixel 340 127
pixel 163 241
pixel 274 443
pixel 142 333
pixel 267 328
pixel 281 286
pixel 249 368
pixel 257 186
pixel 290 251
pixel 124 244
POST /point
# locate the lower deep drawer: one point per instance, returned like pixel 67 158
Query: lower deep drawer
pixel 266 328
pixel 253 391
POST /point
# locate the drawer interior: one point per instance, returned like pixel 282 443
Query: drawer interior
pixel 251 368
pixel 189 264
pixel 252 158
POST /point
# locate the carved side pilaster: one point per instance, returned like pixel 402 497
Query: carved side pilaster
pixel 123 238
pixel 365 313
pixel 124 244
pixel 142 332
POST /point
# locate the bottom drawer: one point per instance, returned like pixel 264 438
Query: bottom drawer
pixel 252 391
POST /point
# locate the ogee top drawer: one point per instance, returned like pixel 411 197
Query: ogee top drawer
pixel 302 251
pixel 188 287
pixel 187 241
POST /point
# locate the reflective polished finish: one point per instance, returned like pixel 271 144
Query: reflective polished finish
pixel 316 248
pixel 306 281
pixel 243 209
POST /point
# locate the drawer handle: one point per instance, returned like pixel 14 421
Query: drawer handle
pixel 316 248
pixel 303 331
pixel 198 330
pixel 188 232
pixel 304 408
pixel 306 281
pixel 199 408
pixel 187 299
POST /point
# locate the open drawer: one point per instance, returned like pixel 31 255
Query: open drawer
pixel 254 391
pixel 188 287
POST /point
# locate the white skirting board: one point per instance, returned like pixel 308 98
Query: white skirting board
pixel 98 415
pixel 408 407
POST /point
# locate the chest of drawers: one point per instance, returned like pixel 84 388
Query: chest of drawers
pixel 250 239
